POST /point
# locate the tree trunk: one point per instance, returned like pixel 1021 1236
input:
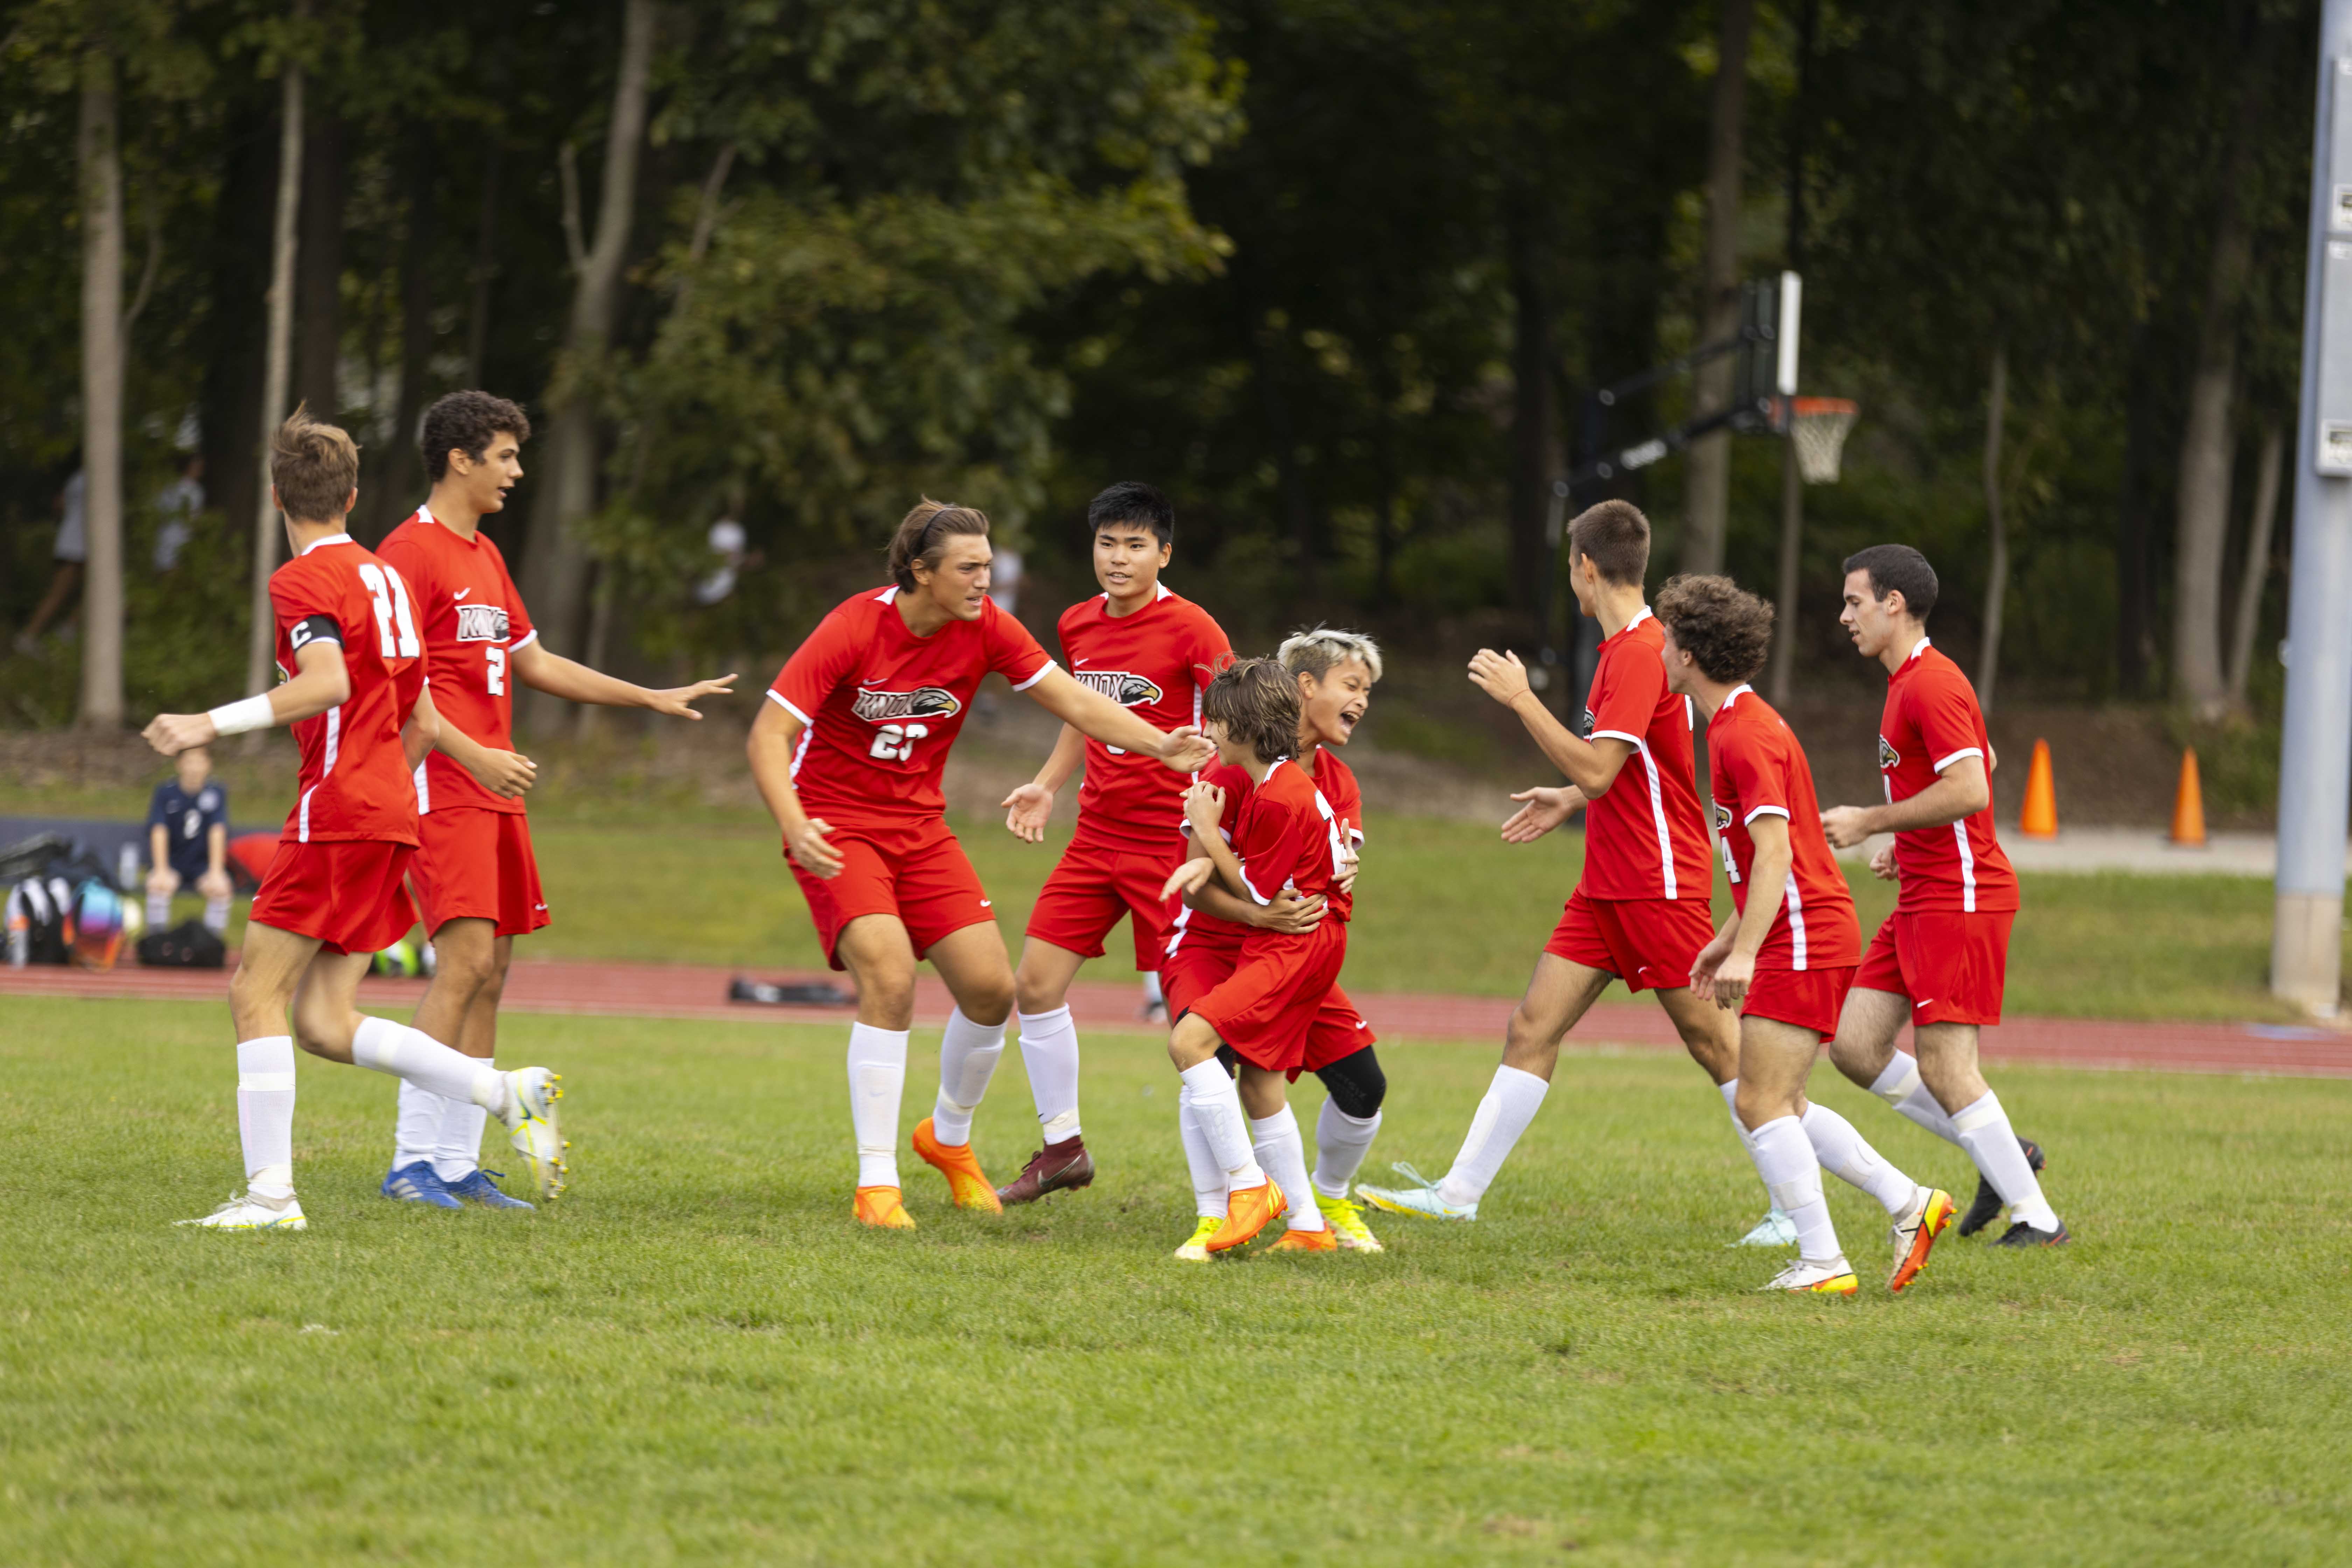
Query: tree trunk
pixel 1997 586
pixel 486 266
pixel 1708 468
pixel 1532 443
pixel 557 568
pixel 2133 644
pixel 102 391
pixel 401 475
pixel 319 263
pixel 2256 575
pixel 232 352
pixel 262 639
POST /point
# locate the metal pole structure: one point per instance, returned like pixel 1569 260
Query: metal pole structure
pixel 2315 755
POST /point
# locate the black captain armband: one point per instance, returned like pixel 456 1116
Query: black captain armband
pixel 314 628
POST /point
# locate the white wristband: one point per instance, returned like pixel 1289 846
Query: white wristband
pixel 237 718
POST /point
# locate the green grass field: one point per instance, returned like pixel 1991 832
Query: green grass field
pixel 699 1359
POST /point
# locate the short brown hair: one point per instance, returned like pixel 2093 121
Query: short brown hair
pixel 314 467
pixel 1898 569
pixel 1255 702
pixel 465 422
pixel 1726 630
pixel 923 536
pixel 1617 537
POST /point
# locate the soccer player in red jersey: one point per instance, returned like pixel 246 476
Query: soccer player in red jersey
pixel 1642 911
pixel 1150 650
pixel 474 870
pixel 1335 671
pixel 1784 959
pixel 1286 835
pixel 1940 958
pixel 354 671
pixel 847 752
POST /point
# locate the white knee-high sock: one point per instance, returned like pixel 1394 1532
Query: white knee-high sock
pixel 1216 1105
pixel 1730 1092
pixel 264 1114
pixel 457 1140
pixel 1992 1142
pixel 1284 1155
pixel 1208 1176
pixel 1784 1158
pixel 215 915
pixel 1152 995
pixel 1049 1051
pixel 418 1057
pixel 1847 1155
pixel 967 1057
pixel 1510 1104
pixel 159 913
pixel 416 1125
pixel 1341 1140
pixel 1901 1086
pixel 877 1077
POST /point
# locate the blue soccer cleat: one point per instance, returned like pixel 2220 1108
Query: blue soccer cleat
pixel 416 1184
pixel 1419 1198
pixel 476 1186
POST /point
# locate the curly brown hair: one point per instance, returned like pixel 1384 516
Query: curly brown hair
pixel 1255 702
pixel 465 422
pixel 1726 630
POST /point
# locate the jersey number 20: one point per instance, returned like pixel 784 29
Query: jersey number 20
pixel 391 610
pixel 896 742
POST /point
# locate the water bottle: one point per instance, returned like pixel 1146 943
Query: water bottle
pixel 20 936
pixel 126 868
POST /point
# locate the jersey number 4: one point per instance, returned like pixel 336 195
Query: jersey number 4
pixel 391 610
pixel 896 742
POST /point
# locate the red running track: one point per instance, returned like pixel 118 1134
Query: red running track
pixel 699 992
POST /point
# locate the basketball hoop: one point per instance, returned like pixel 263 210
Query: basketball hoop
pixel 1817 426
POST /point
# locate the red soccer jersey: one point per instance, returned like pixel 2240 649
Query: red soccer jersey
pixel 354 782
pixel 1645 838
pixel 472 618
pixel 1758 769
pixel 883 706
pixel 1155 662
pixel 1336 784
pixel 1195 930
pixel 1288 840
pixel 1931 722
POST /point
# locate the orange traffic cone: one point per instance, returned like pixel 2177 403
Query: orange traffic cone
pixel 2188 805
pixel 2039 819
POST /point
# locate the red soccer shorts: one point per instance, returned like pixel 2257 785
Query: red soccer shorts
pixel 1190 972
pixel 1802 998
pixel 1951 965
pixel 1266 1009
pixel 916 871
pixel 1091 887
pixel 1648 943
pixel 348 894
pixel 1336 1032
pixel 475 864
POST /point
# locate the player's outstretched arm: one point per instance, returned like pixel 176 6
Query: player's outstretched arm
pixel 506 774
pixel 774 735
pixel 1542 810
pixel 320 683
pixel 1591 765
pixel 575 682
pixel 1028 808
pixel 1181 750
pixel 1770 869
pixel 1961 790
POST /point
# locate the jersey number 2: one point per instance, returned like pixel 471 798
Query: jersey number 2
pixel 391 610
pixel 496 657
pixel 896 742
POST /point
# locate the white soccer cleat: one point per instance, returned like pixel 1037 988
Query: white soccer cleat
pixel 1801 1277
pixel 1421 1198
pixel 530 1116
pixel 244 1212
pixel 1775 1229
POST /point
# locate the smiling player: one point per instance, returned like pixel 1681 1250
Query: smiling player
pixel 1149 651
pixel 847 752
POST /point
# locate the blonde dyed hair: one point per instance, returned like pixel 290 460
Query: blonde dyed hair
pixel 1318 650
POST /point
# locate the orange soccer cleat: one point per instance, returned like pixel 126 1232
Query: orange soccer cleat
pixel 881 1208
pixel 1914 1234
pixel 966 1183
pixel 1307 1241
pixel 1248 1210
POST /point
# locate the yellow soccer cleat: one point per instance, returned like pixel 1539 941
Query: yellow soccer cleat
pixel 881 1207
pixel 1914 1235
pixel 1196 1248
pixel 1321 1240
pixel 1347 1223
pixel 1803 1278
pixel 966 1183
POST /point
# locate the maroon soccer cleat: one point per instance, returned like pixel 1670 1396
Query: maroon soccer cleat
pixel 1063 1167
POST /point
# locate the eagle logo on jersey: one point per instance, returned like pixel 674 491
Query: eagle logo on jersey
pixel 481 623
pixel 1886 755
pixel 923 702
pixel 1126 689
pixel 1722 817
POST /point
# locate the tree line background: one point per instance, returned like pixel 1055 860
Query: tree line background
pixel 1339 275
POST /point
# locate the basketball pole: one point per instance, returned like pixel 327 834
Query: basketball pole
pixel 2315 750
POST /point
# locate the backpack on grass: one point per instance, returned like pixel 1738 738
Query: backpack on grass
pixel 191 944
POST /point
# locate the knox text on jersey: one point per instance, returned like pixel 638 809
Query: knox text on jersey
pixel 481 623
pixel 923 702
pixel 1122 687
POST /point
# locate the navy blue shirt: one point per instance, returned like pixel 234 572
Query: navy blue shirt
pixel 187 821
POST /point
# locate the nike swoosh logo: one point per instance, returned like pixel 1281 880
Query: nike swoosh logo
pixel 984 903
pixel 461 592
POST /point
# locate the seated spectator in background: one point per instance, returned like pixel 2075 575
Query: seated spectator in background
pixel 176 505
pixel 72 550
pixel 187 841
